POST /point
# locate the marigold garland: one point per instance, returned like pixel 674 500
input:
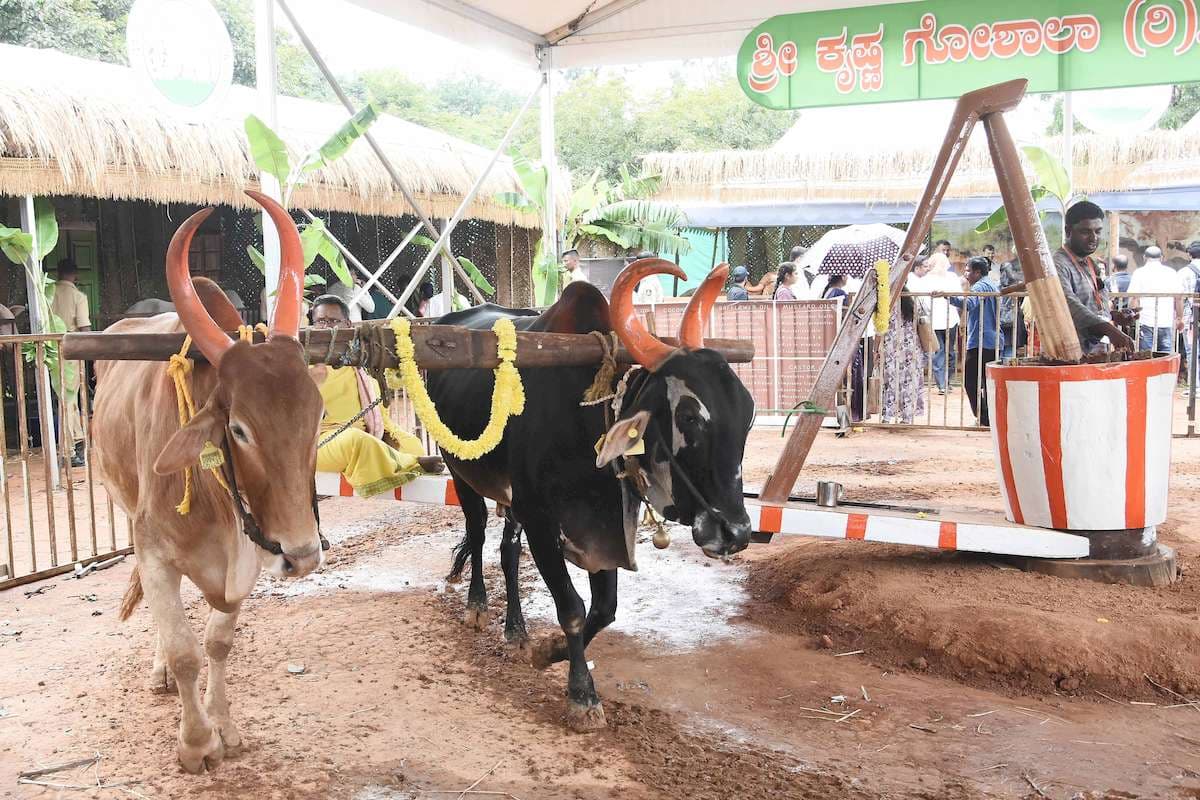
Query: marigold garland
pixel 883 300
pixel 508 397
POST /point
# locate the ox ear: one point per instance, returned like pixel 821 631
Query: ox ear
pixel 623 436
pixel 183 450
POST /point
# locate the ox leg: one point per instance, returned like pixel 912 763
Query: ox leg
pixel 510 559
pixel 199 744
pixel 218 641
pixel 161 681
pixel 475 511
pixel 584 711
pixel 601 614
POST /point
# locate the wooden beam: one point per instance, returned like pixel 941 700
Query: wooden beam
pixel 971 107
pixel 437 347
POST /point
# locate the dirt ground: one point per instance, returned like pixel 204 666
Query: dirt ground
pixel 803 669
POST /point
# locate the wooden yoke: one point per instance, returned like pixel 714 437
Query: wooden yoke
pixel 987 104
pixel 436 347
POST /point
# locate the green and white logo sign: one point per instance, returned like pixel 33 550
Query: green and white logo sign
pixel 183 53
pixel 943 48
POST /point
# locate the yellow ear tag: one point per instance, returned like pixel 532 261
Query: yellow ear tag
pixel 211 457
pixel 639 447
pixel 634 450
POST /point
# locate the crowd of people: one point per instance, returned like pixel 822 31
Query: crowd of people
pixel 961 311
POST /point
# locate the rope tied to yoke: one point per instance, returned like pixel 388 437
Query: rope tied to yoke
pixel 600 389
pixel 180 368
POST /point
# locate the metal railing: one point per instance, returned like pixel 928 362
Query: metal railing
pixel 55 516
pixel 950 392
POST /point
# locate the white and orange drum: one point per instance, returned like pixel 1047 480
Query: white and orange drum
pixel 1084 447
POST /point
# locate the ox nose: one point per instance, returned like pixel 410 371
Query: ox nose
pixel 721 537
pixel 298 563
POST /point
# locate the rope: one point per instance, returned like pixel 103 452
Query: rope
pixel 599 391
pixel 350 422
pixel 180 368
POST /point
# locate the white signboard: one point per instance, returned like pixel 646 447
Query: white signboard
pixel 182 51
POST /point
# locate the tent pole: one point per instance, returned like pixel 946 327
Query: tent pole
pixel 443 241
pixel 1068 154
pixel 264 73
pixel 387 164
pixel 549 157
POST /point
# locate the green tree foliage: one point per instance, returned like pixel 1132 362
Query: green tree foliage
pixel 96 29
pixel 1185 104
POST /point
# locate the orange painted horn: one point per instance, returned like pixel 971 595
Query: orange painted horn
pixel 291 268
pixel 699 308
pixel 646 349
pixel 207 335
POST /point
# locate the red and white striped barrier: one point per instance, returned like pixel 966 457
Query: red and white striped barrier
pixel 931 532
pixel 830 523
pixel 1084 447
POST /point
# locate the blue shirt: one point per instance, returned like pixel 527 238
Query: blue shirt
pixel 981 316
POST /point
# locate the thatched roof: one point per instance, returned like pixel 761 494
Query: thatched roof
pixel 69 126
pixel 1143 161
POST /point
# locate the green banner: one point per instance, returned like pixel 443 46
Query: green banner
pixel 945 48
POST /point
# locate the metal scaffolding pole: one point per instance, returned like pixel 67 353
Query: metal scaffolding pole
pixel 447 255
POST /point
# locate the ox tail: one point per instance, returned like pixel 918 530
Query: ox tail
pixel 462 552
pixel 133 595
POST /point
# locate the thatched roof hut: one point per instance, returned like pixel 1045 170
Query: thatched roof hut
pixel 1154 160
pixel 69 126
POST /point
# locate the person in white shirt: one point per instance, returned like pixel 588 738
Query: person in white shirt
pixel 1160 316
pixel 649 289
pixel 1189 283
pixel 365 304
pixel 942 316
pixel 574 270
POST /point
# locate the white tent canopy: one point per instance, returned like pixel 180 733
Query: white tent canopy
pixel 586 33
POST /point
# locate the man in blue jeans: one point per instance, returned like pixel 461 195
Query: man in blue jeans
pixel 1161 316
pixel 982 338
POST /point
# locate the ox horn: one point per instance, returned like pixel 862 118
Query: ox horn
pixel 207 335
pixel 645 348
pixel 291 268
pixel 699 308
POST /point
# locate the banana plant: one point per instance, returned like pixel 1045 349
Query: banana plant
pixel 272 156
pixel 621 214
pixel 1052 181
pixel 17 245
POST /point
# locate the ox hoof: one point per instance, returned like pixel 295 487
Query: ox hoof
pixel 583 718
pixel 230 737
pixel 161 681
pixel 208 756
pixel 549 651
pixel 476 618
pixel 520 648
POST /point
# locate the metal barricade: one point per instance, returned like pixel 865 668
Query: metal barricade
pixel 952 391
pixel 55 516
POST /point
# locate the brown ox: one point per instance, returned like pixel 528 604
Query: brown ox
pixel 259 404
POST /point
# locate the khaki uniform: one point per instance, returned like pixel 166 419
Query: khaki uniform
pixel 71 306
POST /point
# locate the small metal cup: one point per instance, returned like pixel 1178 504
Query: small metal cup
pixel 829 493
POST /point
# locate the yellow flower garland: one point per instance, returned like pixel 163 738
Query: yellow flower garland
pixel 883 300
pixel 508 397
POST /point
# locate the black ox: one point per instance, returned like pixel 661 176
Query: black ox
pixel 685 413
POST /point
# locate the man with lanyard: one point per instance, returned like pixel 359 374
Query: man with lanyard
pixel 1189 280
pixel 1080 278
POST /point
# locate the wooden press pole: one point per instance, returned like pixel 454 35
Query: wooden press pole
pixel 987 103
